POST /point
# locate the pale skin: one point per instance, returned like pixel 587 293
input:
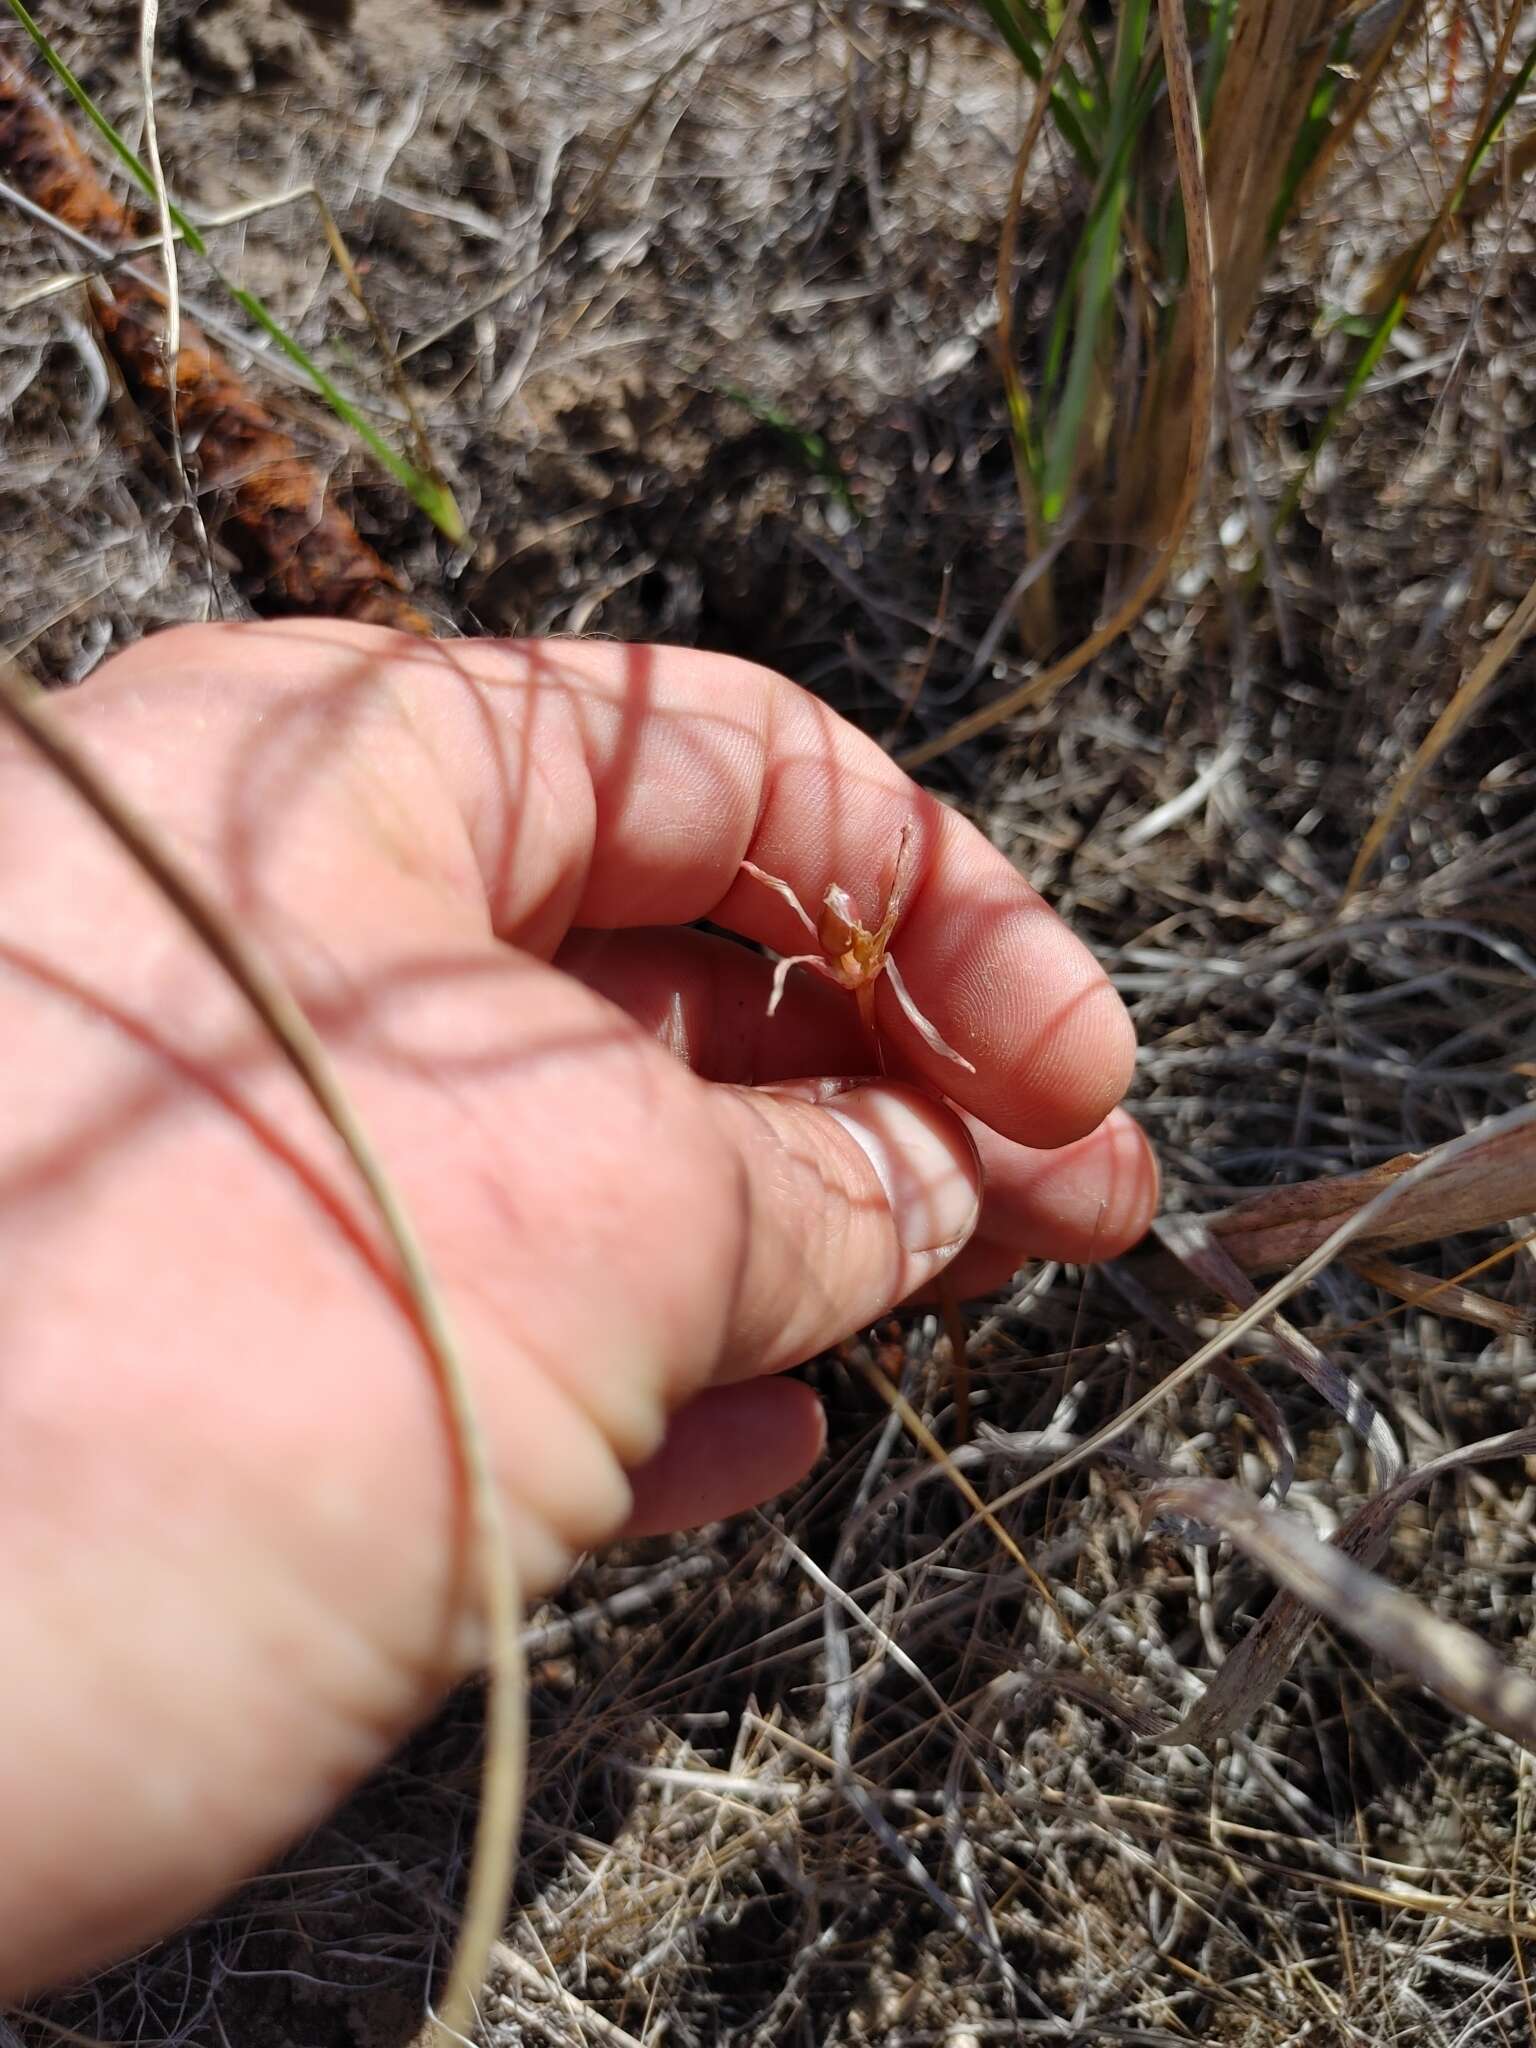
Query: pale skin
pixel 230 1532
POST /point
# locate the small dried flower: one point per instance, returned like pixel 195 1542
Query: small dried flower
pixel 851 953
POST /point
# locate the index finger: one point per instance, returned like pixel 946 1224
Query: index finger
pixel 607 786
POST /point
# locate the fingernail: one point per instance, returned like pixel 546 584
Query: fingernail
pixel 925 1159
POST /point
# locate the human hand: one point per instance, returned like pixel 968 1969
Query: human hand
pixel 234 1573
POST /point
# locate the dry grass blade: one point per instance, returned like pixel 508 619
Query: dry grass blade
pixel 1469 694
pixel 1279 48
pixel 1451 1661
pixel 1185 113
pixel 1259 113
pixel 149 15
pixel 1399 275
pixel 1471 1183
pixel 921 1434
pixel 1262 1409
pixel 1488 1140
pixel 495 1848
pixel 1255 1667
pixel 1444 1297
pixel 1361 92
pixel 1189 1240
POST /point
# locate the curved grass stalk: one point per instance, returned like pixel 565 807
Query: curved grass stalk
pixel 1443 1656
pixel 496 1831
pixel 926 1441
pixel 1073 106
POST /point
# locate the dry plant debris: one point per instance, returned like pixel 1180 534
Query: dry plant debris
pixel 276 513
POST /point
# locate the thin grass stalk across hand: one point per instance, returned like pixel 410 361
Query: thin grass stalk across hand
pixel 497 1826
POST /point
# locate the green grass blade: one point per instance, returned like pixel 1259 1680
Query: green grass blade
pixel 1055 15
pixel 433 496
pixel 1097 271
pixel 1102 261
pixel 430 493
pixel 1061 320
pixel 1218 38
pixel 1061 327
pixel 1021 425
pixel 1309 138
pixel 1074 108
pixel 1386 323
pixel 1490 135
pixel 813 448
pixel 104 128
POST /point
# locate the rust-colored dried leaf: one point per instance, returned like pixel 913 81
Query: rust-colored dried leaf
pixel 274 510
pixel 1483 1186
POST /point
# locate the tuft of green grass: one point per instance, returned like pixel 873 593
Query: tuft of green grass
pixel 1096 270
pixel 1281 85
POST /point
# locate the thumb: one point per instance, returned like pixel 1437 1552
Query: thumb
pixel 855 1193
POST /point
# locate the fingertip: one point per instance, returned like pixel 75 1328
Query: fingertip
pixel 1008 985
pixel 1090 1068
pixel 1082 1204
pixel 1076 1065
pixel 1095 1199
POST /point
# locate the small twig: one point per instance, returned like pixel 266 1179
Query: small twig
pixel 1468 695
pixel 924 1437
